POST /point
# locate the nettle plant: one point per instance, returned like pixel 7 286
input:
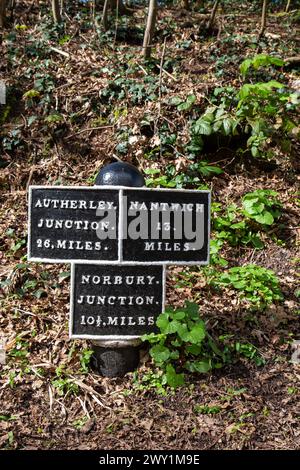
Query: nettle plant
pixel 183 344
pixel 264 112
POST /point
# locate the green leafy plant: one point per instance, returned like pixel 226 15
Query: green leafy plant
pixel 265 113
pixel 150 380
pixel 80 422
pixel 85 358
pixel 191 177
pixel 63 384
pixel 258 285
pixel 127 88
pixel 20 350
pixel 238 349
pixel 244 225
pixel 260 60
pixel 229 225
pixel 262 206
pixel 183 104
pixel 183 344
pixel 7 417
pixel 207 410
pixel 249 351
pixel 31 94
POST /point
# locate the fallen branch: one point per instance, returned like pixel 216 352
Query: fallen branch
pixel 87 130
pixel 292 60
pixel 167 73
pixel 58 51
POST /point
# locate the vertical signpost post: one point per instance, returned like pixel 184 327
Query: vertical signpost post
pixel 117 352
pixel 119 237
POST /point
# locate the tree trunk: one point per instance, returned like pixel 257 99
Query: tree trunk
pixel 2 12
pixel 56 11
pixel 213 15
pixel 106 6
pixel 185 4
pixel 288 6
pixel 152 12
pixel 122 9
pixel 263 19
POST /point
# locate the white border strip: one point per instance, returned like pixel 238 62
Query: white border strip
pixel 108 337
pixel 109 187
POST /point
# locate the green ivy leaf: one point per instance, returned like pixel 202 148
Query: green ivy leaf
pixel 202 127
pixel 186 105
pixel 176 100
pixel 202 366
pixel 227 126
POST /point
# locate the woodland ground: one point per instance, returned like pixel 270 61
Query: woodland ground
pixel 255 407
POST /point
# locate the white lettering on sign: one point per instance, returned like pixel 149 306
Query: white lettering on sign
pixel 129 280
pixel 115 321
pixel 165 206
pixel 72 224
pixel 113 300
pixel 153 220
pixel 68 244
pixel 165 246
pixel 74 204
pixel 102 224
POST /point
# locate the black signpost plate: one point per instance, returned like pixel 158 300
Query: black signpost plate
pixel 115 302
pixel 151 226
pixel 63 224
pixel 174 226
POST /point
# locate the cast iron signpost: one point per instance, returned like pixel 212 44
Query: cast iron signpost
pixel 64 224
pixel 114 225
pixel 109 302
pixel 118 240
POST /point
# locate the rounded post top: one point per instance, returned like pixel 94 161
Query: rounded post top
pixel 120 174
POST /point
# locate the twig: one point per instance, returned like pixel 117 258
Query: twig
pixel 84 407
pixel 29 178
pixel 167 73
pixel 36 372
pixel 90 390
pixel 40 317
pixel 63 409
pixel 142 68
pixel 25 312
pixel 58 51
pixel 116 23
pixel 292 60
pixel 160 77
pixel 87 130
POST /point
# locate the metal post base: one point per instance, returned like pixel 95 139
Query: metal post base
pixel 115 362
